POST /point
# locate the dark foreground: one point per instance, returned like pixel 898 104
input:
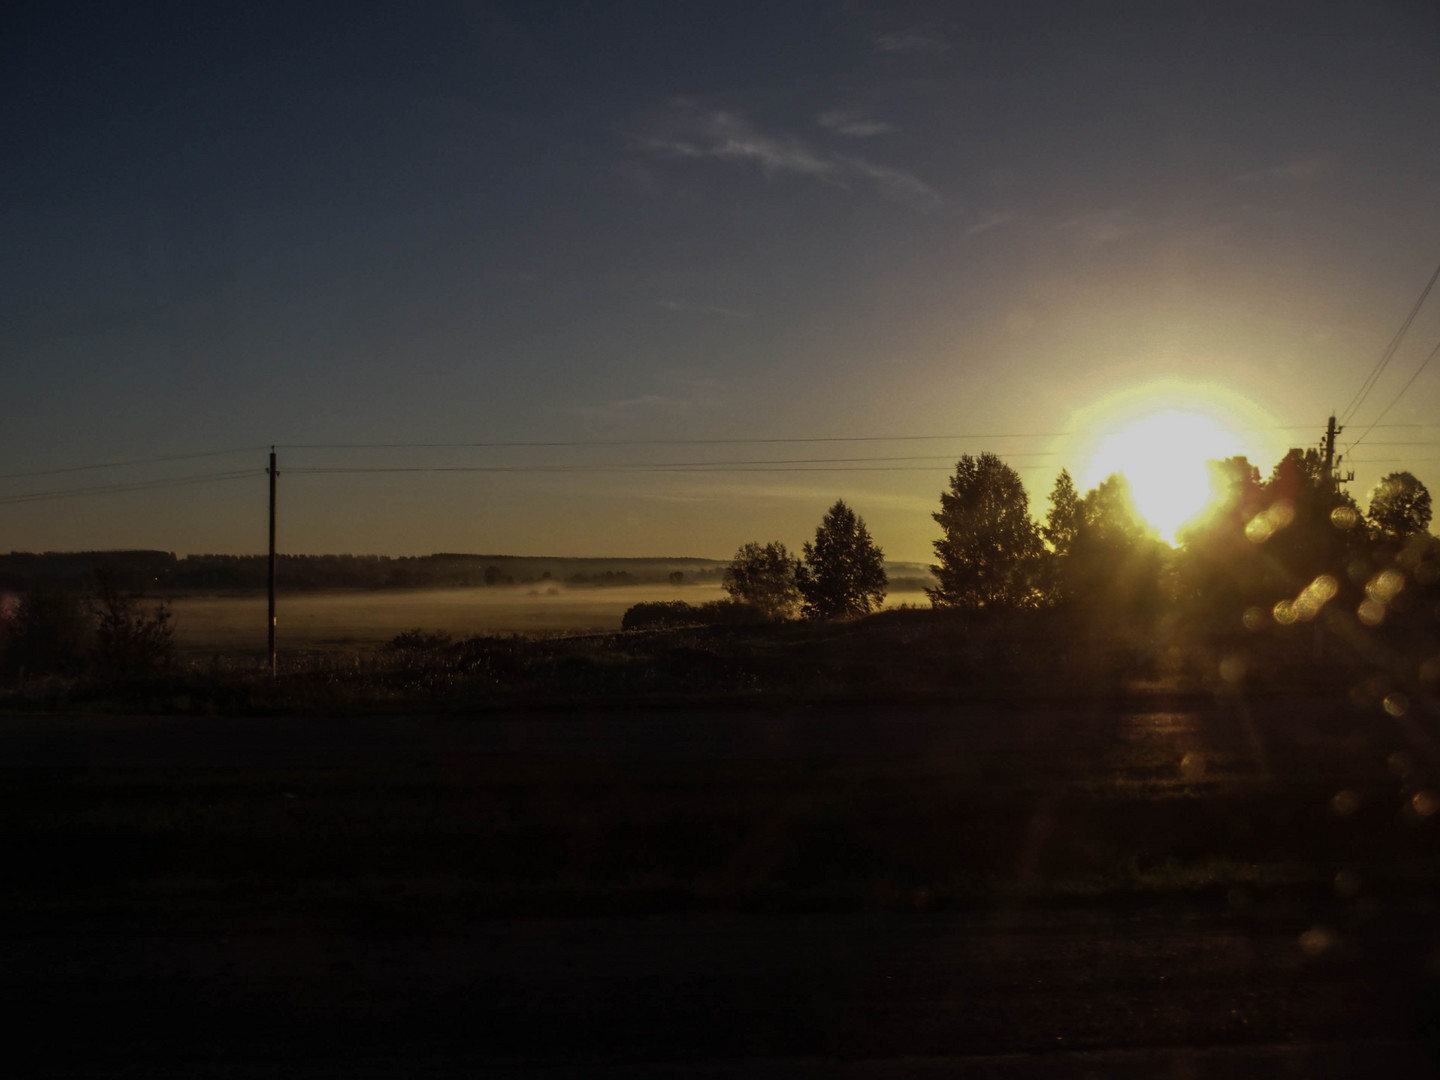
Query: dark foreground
pixel 1240 889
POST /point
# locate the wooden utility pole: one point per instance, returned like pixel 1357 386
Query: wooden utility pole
pixel 273 474
pixel 1330 434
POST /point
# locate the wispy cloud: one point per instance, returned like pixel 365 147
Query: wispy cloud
pixel 1102 227
pixel 911 41
pixel 1301 168
pixel 688 396
pixel 690 132
pixel 991 221
pixel 703 309
pixel 858 125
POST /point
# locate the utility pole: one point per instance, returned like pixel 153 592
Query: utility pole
pixel 1332 472
pixel 273 474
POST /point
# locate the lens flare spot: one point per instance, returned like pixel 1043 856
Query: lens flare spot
pixel 1317 940
pixel 1269 521
pixel 1370 612
pixel 1284 612
pixel 1425 803
pixel 1347 884
pixel 1345 803
pixel 1344 517
pixel 1315 596
pixel 1385 586
pixel 1255 618
pixel 1396 703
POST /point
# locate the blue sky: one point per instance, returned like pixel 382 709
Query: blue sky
pixel 230 225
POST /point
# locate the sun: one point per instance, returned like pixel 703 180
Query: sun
pixel 1163 457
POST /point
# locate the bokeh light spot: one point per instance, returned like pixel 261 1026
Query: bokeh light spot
pixel 1255 618
pixel 1425 803
pixel 1396 703
pixel 1344 517
pixel 1345 803
pixel 1370 612
pixel 1270 521
pixel 1315 596
pixel 1347 884
pixel 1317 940
pixel 1385 586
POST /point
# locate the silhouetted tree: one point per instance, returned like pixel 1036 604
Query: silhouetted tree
pixel 1062 523
pixel 989 550
pixel 1399 507
pixel 763 576
pixel 1115 562
pixel 1221 568
pixel 843 572
pixel 1308 526
pixel 49 631
pixel 130 640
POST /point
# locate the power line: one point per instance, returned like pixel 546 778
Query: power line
pixel 551 443
pixel 1394 401
pixel 132 461
pixel 1385 357
pixel 138 485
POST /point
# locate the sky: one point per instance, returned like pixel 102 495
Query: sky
pixel 616 236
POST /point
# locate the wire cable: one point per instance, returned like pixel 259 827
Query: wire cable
pixel 132 461
pixel 138 485
pixel 1395 400
pixel 1381 364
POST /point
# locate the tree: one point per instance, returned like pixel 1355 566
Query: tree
pixel 49 631
pixel 763 576
pixel 843 572
pixel 1302 534
pixel 989 549
pixel 130 641
pixel 1399 507
pixel 1062 523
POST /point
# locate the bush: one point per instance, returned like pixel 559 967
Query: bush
pixel 661 615
pixel 672 614
pixel 763 577
pixel 420 640
pixel 49 632
pixel 130 641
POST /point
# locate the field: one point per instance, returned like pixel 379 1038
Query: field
pixel 351 620
pixel 1194 888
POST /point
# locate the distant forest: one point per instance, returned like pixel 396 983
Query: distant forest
pixel 163 571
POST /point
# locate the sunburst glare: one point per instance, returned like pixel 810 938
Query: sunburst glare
pixel 1163 457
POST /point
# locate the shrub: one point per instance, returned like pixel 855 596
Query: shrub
pixel 129 639
pixel 48 632
pixel 421 640
pixel 660 615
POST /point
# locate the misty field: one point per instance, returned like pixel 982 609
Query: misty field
pixel 343 620
pixel 348 620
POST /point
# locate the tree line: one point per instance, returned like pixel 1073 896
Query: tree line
pixel 1275 551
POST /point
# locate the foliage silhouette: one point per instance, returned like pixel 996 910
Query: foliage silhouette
pixel 763 576
pixel 49 632
pixel 843 573
pixel 130 641
pixel 1399 507
pixel 989 552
